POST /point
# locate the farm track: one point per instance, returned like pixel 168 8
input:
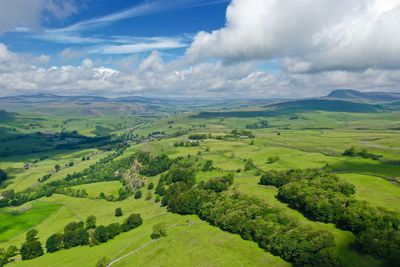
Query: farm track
pixel 147 244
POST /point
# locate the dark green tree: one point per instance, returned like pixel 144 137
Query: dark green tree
pixel 32 248
pixel 113 229
pixel 133 221
pixel 31 235
pixel 159 230
pixel 138 194
pixel 55 242
pixel 118 212
pixel 91 222
pixel 3 176
pixel 150 186
pixel 101 234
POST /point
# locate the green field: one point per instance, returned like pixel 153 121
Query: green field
pixel 311 139
pixel 15 221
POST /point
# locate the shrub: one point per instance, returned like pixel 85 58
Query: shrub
pixel 118 212
pixel 138 194
pixel 103 262
pixel 159 230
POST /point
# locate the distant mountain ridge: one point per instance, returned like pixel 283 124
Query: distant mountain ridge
pixel 354 95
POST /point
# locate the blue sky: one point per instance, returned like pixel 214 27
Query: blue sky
pixel 106 27
pixel 199 48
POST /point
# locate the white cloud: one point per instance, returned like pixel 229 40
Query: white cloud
pixel 16 15
pixel 307 35
pixel 155 77
pixel 139 45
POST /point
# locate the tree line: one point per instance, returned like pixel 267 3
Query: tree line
pixel 249 217
pixel 75 234
pixel 321 195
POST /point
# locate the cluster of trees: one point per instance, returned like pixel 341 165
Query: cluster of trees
pixel 239 133
pixel 197 137
pixel 249 217
pixel 153 165
pixel 189 143
pixel 323 196
pixel 262 124
pixel 352 152
pixel 82 234
pixel 79 193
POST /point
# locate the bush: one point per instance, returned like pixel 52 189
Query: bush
pixel 149 195
pixel 3 176
pixel 103 262
pixel 138 194
pixel 272 159
pixel 159 230
pixel 150 186
pixel 118 212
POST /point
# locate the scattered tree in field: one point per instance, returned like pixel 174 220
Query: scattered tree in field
pixel 208 166
pixel 103 262
pixel 149 195
pixel 57 167
pixel 138 194
pixel 6 256
pixel 249 164
pixel 90 222
pixel 118 212
pixel 150 186
pixel 159 230
pixel 55 242
pixel 272 159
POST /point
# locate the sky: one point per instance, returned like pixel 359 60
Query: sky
pixel 198 48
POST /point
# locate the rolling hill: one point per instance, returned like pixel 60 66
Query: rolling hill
pixel 354 95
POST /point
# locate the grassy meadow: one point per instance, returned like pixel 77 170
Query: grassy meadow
pixel 308 140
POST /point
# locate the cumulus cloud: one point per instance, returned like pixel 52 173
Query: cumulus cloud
pixel 307 35
pixel 155 77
